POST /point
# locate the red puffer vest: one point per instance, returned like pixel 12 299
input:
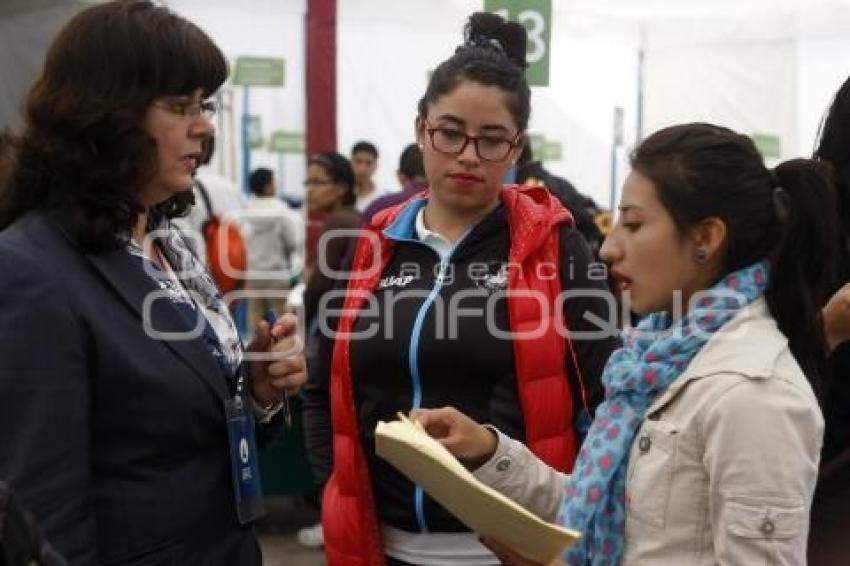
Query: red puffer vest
pixel 351 530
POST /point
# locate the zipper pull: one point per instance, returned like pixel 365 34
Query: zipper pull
pixel 441 274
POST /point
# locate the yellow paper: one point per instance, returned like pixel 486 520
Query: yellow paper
pixel 426 462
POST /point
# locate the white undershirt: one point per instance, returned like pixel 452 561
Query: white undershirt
pixel 436 549
pixel 433 240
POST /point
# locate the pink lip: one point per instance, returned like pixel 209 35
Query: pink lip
pixel 465 180
pixel 191 162
pixel 622 281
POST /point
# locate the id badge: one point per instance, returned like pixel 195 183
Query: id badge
pixel 244 466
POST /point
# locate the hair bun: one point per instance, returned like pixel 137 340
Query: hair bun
pixel 485 29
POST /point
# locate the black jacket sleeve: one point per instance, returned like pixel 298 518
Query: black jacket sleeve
pixel 590 313
pixel 45 406
pixel 318 429
pixel 336 255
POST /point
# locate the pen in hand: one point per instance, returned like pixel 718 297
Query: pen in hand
pixel 287 412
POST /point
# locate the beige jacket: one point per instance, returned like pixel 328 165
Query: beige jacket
pixel 723 468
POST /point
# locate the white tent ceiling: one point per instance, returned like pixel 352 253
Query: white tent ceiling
pixel 671 10
pixel 759 66
pixel 756 65
pixel 677 22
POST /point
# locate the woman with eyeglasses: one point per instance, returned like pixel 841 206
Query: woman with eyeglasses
pixel 329 189
pixel 128 407
pixel 455 297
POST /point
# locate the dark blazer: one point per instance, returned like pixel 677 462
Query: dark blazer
pixel 115 441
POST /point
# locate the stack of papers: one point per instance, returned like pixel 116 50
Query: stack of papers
pixel 426 462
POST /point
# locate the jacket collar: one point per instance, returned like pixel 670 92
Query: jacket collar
pixel 403 226
pixel 731 349
pixel 532 211
pixel 120 272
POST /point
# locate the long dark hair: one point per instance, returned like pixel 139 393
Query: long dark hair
pixel 84 151
pixel 834 147
pixel 786 215
pixel 493 54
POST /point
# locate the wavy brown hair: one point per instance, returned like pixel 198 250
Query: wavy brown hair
pixel 84 152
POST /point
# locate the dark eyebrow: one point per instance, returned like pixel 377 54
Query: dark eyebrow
pixel 450 118
pixel 459 122
pixel 624 208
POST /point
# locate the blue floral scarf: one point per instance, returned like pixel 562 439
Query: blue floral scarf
pixel 654 354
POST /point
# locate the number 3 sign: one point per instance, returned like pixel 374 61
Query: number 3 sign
pixel 536 16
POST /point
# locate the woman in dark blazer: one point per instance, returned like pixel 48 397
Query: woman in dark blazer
pixel 117 352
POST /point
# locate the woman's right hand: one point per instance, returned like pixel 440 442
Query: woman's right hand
pixel 470 442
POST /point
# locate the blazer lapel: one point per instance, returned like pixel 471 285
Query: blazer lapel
pixel 160 319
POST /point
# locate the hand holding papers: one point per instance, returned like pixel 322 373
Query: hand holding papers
pixel 407 446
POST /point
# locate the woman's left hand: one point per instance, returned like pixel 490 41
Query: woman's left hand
pixel 510 558
pixel 287 371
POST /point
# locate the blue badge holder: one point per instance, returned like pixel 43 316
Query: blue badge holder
pixel 244 463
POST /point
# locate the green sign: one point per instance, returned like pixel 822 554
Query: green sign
pixel 258 71
pixel 543 149
pixel 551 151
pixel 536 16
pixel 253 132
pixel 287 142
pixel 538 142
pixel 769 146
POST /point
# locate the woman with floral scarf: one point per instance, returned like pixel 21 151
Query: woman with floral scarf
pixel 706 448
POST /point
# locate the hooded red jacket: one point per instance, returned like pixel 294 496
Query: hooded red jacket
pixel 351 532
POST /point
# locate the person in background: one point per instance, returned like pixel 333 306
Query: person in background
pixel 706 448
pixel 583 208
pixel 414 331
pixel 364 163
pixel 224 196
pixel 274 237
pixel 828 543
pixel 330 190
pixel 121 372
pixel 411 177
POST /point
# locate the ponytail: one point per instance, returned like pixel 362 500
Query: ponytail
pixel 786 215
pixel 803 262
pixel 493 54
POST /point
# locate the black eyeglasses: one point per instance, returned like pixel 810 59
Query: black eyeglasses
pixel 189 108
pixel 453 141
